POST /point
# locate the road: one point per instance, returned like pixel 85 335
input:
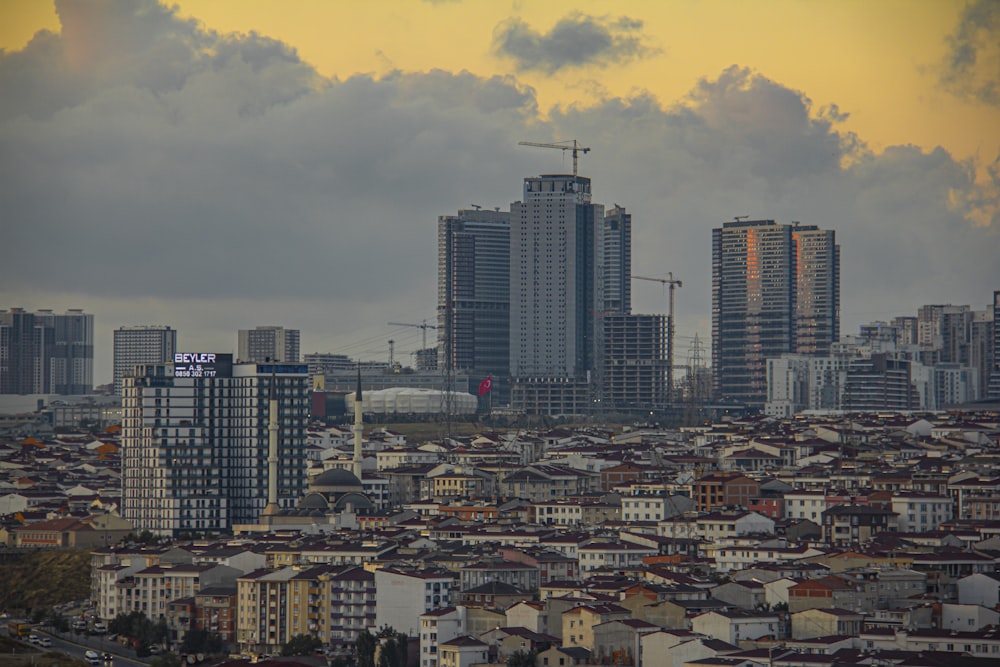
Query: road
pixel 77 645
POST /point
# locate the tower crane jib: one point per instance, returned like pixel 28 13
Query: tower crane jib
pixel 568 145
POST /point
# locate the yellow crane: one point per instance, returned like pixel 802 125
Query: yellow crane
pixel 668 281
pixel 568 145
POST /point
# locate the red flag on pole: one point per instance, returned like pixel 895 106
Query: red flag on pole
pixel 486 385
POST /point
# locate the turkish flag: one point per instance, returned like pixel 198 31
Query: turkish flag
pixel 486 385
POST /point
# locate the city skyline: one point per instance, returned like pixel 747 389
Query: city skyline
pixel 159 172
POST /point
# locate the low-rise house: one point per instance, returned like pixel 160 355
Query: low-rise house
pixel 578 623
pixel 675 648
pixel 528 614
pixel 979 644
pixel 564 656
pixel 855 524
pixel 493 595
pixel 736 555
pixel 742 594
pixel 981 588
pixel 826 622
pixel 893 619
pixel 830 592
pixel 551 565
pixel 945 568
pixel 504 641
pixel 613 555
pixel 520 575
pixel 617 641
pixel 736 626
pixel 576 513
pixel 463 651
pixel 100 530
pixel 720 525
pixel 966 617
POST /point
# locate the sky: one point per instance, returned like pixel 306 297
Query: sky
pixel 217 165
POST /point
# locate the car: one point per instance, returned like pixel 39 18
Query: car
pixel 99 629
pixel 44 641
pixel 155 650
pixel 92 658
pixel 33 639
pixel 108 658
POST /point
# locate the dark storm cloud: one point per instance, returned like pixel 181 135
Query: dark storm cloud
pixel 574 41
pixel 914 225
pixel 972 68
pixel 216 182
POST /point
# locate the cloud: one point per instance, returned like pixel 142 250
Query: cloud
pixel 575 41
pixel 216 182
pixel 972 67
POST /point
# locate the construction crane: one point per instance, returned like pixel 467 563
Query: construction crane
pixel 669 280
pixel 575 147
pixel 423 325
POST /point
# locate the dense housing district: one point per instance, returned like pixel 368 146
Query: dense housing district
pixel 861 539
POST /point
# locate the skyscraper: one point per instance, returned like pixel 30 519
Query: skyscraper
pixel 46 353
pixel 19 353
pixel 556 293
pixel 994 388
pixel 474 292
pixel 135 345
pixel 817 289
pixel 72 363
pixel 268 343
pixel 775 289
pixel 617 237
pixel 195 441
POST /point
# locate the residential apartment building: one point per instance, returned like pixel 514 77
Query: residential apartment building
pixel 46 353
pixel 556 292
pixel 720 490
pixel 921 512
pixel 404 595
pixel 266 344
pixel 993 391
pixel 473 324
pixel 195 442
pixel 135 345
pixel 775 290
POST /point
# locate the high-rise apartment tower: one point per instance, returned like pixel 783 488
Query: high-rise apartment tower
pixel 775 289
pixel 266 344
pixel 134 345
pixel 46 353
pixel 474 292
pixel 556 293
pixel 195 441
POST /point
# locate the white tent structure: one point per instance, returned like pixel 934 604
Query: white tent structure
pixel 409 400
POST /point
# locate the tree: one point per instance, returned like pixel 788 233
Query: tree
pixel 301 645
pixel 521 659
pixel 197 640
pixel 392 648
pixel 364 649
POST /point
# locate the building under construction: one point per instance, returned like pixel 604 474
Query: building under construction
pixel 634 375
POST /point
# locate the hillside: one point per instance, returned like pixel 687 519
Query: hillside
pixel 45 578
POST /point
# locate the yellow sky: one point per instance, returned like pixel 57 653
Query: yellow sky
pixel 876 60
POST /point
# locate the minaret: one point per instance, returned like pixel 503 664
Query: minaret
pixel 358 428
pixel 272 451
